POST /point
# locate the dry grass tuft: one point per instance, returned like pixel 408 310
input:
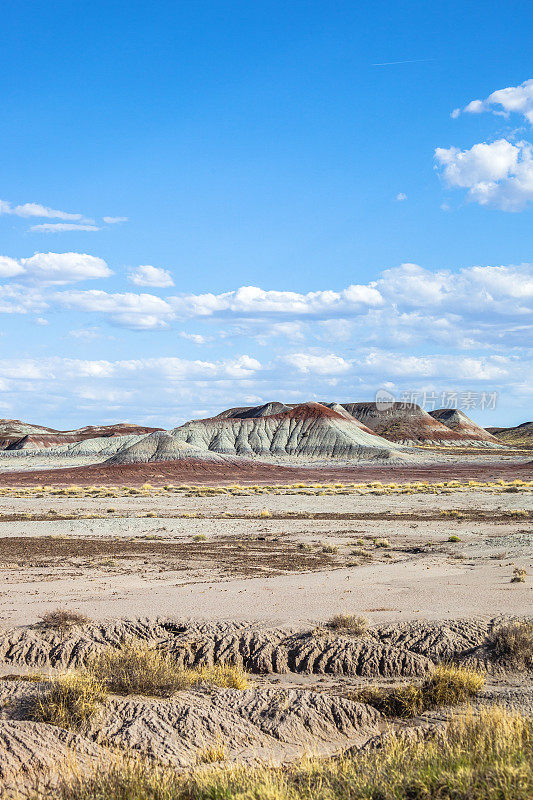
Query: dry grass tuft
pixel 519 575
pixel 212 754
pixel 514 643
pixel 137 668
pixel 446 686
pixel 484 756
pixel 348 624
pixel 62 618
pixel 68 700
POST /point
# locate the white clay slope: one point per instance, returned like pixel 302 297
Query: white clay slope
pixel 309 430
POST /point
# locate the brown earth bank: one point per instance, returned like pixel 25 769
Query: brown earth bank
pixel 213 473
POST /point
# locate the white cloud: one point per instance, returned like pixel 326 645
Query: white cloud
pixel 42 321
pixel 503 102
pixel 253 300
pixel 401 196
pixel 36 210
pixel 197 338
pixel 320 364
pixel 61 227
pixel 493 368
pixel 114 220
pixel 60 268
pixel 498 174
pixel 9 267
pixel 151 276
pixel 138 311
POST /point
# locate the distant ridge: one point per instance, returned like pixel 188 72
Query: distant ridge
pixel 457 421
pixel 518 435
pixel 408 424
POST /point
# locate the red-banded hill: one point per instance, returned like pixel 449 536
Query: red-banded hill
pixel 309 430
pixel 457 421
pixel 409 424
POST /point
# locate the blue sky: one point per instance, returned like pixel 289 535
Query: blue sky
pixel 159 159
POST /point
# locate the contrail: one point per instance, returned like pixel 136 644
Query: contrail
pixel 411 61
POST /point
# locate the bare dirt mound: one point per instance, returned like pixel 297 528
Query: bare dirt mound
pixel 519 435
pixel 408 424
pixel 396 650
pixel 30 749
pixel 309 430
pixel 256 725
pixel 457 421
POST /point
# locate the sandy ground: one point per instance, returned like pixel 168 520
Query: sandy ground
pixel 278 570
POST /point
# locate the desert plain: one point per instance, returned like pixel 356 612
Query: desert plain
pixel 173 603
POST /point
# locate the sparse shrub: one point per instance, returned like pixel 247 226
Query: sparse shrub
pixel 454 538
pixel 348 624
pixel 200 537
pixel 265 513
pixel 137 668
pixel 381 543
pixel 62 619
pixel 446 686
pixel 330 549
pixel 514 643
pixel 69 700
pixel 519 575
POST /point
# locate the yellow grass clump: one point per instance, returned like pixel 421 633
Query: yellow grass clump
pixel 68 700
pixel 138 668
pixel 446 686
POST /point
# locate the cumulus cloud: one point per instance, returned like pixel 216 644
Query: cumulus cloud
pixel 60 268
pixel 253 300
pixel 498 174
pixel 10 267
pixel 151 276
pixel 503 102
pixel 138 311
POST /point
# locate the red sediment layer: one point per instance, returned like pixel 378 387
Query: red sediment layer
pixel 212 473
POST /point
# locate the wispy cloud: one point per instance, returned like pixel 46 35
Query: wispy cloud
pixel 408 61
pixel 69 221
pixel 36 210
pixel 114 220
pixel 61 227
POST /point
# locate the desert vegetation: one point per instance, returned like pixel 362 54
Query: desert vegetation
pixel 238 490
pixel 67 700
pixel 347 624
pixel 479 756
pixel 62 619
pixel 137 668
pixel 514 643
pixel 446 686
